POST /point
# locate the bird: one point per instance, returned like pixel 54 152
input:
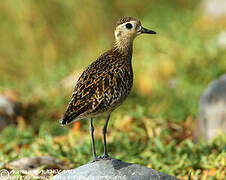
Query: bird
pixel 106 82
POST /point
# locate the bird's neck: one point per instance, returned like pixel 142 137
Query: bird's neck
pixel 124 46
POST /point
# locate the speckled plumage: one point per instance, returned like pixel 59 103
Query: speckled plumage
pixel 106 83
pixel 102 86
pixel 126 19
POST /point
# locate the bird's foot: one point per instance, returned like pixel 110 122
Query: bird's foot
pixel 95 159
pixel 105 157
pixel 102 157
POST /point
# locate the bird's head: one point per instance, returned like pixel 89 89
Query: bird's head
pixel 128 28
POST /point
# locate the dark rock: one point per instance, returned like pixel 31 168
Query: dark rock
pixel 212 109
pixel 112 170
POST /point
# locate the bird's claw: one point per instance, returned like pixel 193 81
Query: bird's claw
pixel 105 157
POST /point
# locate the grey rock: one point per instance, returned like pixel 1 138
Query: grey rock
pixel 212 109
pixel 6 106
pixel 7 112
pixel 112 170
pixel 33 163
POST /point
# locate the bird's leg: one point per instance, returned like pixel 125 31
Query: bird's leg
pixel 92 138
pixel 105 155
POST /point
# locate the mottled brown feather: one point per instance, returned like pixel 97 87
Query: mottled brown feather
pixel 126 19
pixel 102 87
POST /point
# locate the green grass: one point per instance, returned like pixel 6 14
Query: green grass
pixel 45 41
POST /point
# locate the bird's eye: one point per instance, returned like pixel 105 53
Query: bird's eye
pixel 129 26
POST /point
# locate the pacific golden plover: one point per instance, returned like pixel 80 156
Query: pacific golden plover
pixel 106 83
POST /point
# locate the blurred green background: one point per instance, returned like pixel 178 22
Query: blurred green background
pixel 44 45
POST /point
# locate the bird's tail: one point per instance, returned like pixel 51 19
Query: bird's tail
pixel 67 118
pixel 73 113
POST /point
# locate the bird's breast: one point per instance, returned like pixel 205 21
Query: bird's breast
pixel 120 85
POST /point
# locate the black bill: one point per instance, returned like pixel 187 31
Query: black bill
pixel 147 31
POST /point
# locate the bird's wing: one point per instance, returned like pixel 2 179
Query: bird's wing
pixel 88 93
